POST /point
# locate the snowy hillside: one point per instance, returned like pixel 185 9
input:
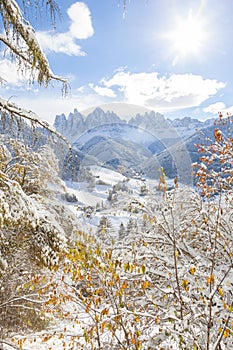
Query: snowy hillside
pixel 115 257
pixel 99 202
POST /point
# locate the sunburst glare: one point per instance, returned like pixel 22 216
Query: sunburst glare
pixel 188 37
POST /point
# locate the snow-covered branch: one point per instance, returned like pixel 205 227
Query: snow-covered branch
pixel 21 40
pixel 13 346
pixel 13 109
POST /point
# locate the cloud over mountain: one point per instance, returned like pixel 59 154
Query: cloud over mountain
pixel 162 92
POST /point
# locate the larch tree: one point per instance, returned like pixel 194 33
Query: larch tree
pixel 32 232
pixel 20 45
pixel 19 42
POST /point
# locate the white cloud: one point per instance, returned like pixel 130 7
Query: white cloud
pixel 80 28
pixel 175 91
pixel 60 43
pixel 215 108
pixel 218 107
pixel 10 73
pixel 135 87
pixel 103 91
pixel 165 94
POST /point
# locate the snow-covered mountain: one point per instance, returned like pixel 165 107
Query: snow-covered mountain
pixel 124 110
pixel 144 142
pixel 76 123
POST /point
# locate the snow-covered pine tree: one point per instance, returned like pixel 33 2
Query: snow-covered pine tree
pixel 104 231
pixel 121 232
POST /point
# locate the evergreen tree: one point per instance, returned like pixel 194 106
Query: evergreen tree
pixel 121 232
pixel 132 227
pixel 104 230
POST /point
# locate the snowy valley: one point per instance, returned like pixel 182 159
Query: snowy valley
pixel 107 257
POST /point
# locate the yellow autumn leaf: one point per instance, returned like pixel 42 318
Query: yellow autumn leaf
pixel 220 292
pixel 46 338
pixel 192 270
pixel 126 266
pixel 103 325
pixel 133 341
pixel 143 269
pixel 124 285
pixel 210 279
pixel 104 311
pixel 20 344
pixel 99 291
pixel 145 284
pixel 185 284
pixel 229 308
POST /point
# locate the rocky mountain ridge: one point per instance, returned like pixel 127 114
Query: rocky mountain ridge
pixel 144 142
pixel 76 124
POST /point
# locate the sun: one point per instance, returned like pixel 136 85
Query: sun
pixel 188 37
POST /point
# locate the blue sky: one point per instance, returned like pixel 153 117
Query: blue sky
pixel 172 56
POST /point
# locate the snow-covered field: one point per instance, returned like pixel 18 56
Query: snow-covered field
pixel 123 201
pixel 117 211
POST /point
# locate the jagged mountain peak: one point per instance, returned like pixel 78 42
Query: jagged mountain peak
pixel 97 111
pixel 150 120
pixel 124 110
pixel 99 117
pixel 61 118
pixel 100 113
pixel 70 126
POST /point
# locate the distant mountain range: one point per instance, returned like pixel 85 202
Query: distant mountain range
pixel 124 110
pixel 143 143
pixel 77 123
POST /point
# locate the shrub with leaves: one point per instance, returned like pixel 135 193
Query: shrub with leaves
pixel 169 286
pixel 215 174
